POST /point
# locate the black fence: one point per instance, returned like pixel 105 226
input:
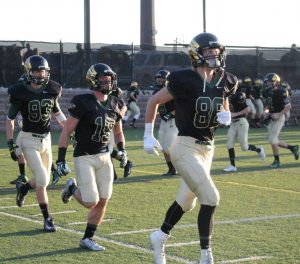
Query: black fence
pixel 69 62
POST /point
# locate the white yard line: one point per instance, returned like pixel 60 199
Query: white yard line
pixel 15 206
pixel 56 213
pixel 235 221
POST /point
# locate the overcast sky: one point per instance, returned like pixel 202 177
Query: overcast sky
pixel 235 22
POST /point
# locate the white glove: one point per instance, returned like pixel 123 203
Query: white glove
pixel 151 145
pixel 224 117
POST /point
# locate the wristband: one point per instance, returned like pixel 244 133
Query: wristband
pixel 61 154
pixel 148 129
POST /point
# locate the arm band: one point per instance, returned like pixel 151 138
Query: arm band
pixel 61 154
pixel 60 117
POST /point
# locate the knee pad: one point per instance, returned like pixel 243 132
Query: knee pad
pixel 187 205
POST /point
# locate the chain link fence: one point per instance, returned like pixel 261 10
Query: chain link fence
pixel 69 62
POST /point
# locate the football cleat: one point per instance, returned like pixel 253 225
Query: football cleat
pixel 206 257
pixel 132 125
pixel 89 243
pixel 20 199
pixel 262 154
pixel 158 240
pixel 21 178
pixel 275 165
pixel 230 169
pixel 127 168
pixel 68 190
pixel 49 225
pixel 170 173
pixel 295 151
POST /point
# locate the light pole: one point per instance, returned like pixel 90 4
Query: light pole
pixel 204 16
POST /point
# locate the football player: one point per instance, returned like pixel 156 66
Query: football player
pixel 278 105
pixel 36 98
pixel 93 117
pixel 167 128
pixel 246 88
pixel 201 105
pixel 133 108
pixel 258 101
pixel 238 130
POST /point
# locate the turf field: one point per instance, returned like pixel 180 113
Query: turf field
pixel 258 220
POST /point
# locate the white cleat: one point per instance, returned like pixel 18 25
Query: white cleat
pixel 206 257
pixel 67 193
pixel 262 154
pixel 90 244
pixel 230 169
pixel 158 240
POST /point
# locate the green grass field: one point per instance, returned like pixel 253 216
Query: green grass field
pixel 258 220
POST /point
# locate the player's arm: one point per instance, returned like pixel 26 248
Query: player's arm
pixel 160 97
pixel 60 118
pixel 120 142
pixel 243 112
pixel 10 127
pixel 69 127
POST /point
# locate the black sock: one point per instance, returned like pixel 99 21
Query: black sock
pixel 44 209
pixel 22 168
pixel 231 156
pixel 205 224
pixel 170 166
pixel 89 231
pixel 133 121
pixel 173 215
pixel 291 148
pixel 253 148
pixel 276 158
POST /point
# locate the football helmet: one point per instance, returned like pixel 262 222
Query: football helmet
pixel 258 82
pixel 247 80
pixel 99 70
pixel 161 78
pixel 36 63
pixel 203 44
pixel 134 85
pixel 272 80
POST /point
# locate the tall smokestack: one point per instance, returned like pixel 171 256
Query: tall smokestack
pixel 147 25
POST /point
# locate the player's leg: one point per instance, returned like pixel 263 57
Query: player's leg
pixel 231 137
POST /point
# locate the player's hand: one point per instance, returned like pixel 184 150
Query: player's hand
pixel 151 145
pixel 62 168
pixel 12 149
pixel 224 117
pixel 123 155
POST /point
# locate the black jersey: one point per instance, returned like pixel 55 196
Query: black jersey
pixel 237 103
pixel 246 89
pixel 277 99
pixel 96 120
pixel 257 91
pixel 35 105
pixel 133 94
pixel 196 104
pixel 165 110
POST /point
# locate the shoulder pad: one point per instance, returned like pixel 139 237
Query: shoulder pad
pixel 231 84
pixel 119 105
pixel 53 87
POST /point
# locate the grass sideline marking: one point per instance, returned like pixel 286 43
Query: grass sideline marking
pixel 107 240
pixel 224 222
